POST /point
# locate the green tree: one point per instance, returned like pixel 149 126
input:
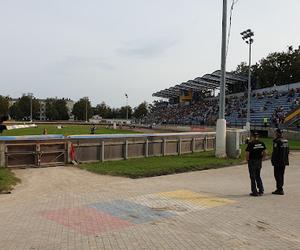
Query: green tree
pixel 141 110
pixel 56 109
pixel 15 112
pixel 103 110
pixel 242 69
pixel 277 68
pixel 21 109
pixel 51 112
pixel 123 112
pixel 82 108
pixel 4 105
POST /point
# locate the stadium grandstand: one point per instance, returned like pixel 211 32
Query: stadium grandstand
pixel 195 102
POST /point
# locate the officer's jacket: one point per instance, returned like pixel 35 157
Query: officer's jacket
pixel 280 155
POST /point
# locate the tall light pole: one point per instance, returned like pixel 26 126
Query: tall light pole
pixel 126 96
pixel 86 109
pixel 221 122
pixel 247 36
pixel 30 95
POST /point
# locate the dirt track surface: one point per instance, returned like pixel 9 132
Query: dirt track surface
pixel 69 208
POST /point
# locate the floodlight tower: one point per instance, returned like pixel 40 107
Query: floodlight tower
pixel 126 96
pixel 30 95
pixel 247 37
pixel 86 108
pixel 221 122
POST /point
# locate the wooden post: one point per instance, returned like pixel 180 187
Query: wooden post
pixel 68 157
pixel 205 143
pixel 126 150
pixel 2 155
pixel 38 155
pixel 102 151
pixel 179 146
pixel 164 146
pixel 193 144
pixel 147 148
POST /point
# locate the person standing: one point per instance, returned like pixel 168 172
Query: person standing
pixel 255 152
pixel 280 159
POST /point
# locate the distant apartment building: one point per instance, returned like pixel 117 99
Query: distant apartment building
pixel 42 112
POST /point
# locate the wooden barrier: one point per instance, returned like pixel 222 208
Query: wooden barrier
pixel 39 151
pixel 99 148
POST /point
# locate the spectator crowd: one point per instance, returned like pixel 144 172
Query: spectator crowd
pixel 205 112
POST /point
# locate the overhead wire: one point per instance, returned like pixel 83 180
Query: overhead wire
pixel 234 2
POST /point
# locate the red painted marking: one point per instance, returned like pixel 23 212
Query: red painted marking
pixel 85 220
pixel 199 129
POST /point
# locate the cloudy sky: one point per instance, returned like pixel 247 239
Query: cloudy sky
pixel 106 48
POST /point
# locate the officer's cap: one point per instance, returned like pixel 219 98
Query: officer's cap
pixel 255 133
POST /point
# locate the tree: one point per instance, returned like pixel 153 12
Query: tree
pixel 141 110
pixel 4 105
pixel 82 108
pixel 123 112
pixel 277 68
pixel 242 69
pixel 14 111
pixel 21 109
pixel 103 110
pixel 56 109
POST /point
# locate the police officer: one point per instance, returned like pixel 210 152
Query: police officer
pixel 2 126
pixel 255 152
pixel 280 159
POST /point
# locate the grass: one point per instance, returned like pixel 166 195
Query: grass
pixel 293 144
pixel 66 130
pixel 7 180
pixel 154 166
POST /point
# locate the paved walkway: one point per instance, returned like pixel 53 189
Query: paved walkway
pixel 67 208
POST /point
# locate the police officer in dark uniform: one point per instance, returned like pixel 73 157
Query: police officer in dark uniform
pixel 255 152
pixel 280 159
pixel 2 126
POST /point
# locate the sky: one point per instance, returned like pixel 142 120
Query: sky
pixel 106 48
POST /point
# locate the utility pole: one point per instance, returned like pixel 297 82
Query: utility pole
pixel 86 109
pixel 31 115
pixel 221 122
pixel 247 36
pixel 126 96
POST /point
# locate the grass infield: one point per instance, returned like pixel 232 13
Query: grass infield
pixel 7 180
pixel 66 130
pixel 155 166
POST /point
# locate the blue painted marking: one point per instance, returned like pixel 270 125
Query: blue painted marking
pixel 130 211
pixel 31 137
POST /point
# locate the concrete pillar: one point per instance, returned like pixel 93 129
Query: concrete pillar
pixel 221 139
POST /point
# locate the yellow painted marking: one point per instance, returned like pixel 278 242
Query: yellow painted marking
pixel 197 198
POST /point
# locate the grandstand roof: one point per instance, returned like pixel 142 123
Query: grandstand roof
pixel 206 82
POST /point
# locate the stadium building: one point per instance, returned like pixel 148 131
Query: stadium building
pixel 196 102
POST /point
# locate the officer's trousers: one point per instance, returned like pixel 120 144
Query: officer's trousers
pixel 279 176
pixel 254 167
